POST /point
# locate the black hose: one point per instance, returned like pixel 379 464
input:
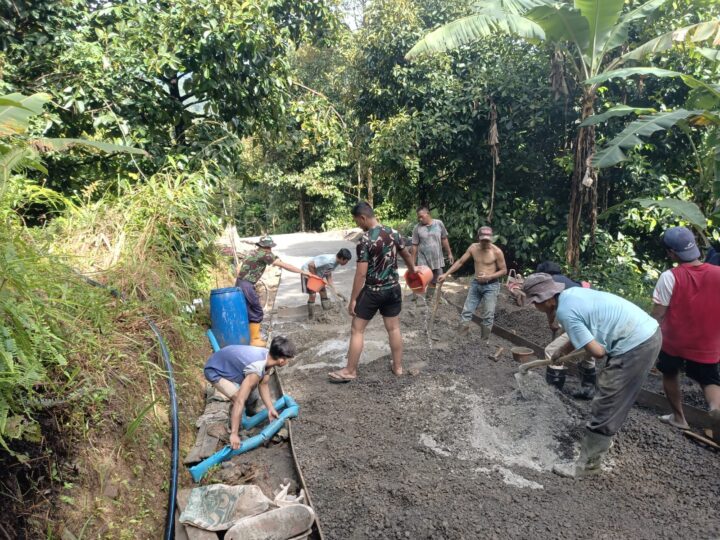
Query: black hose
pixel 172 495
pixel 175 453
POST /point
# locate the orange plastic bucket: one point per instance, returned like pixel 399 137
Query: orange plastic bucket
pixel 315 284
pixel 419 282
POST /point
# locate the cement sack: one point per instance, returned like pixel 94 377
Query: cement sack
pixel 281 524
pixel 217 507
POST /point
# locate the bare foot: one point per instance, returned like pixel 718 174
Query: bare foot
pixel 397 371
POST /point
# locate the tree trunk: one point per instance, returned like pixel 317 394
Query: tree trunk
pixel 370 195
pixel 302 211
pixel 583 186
pixel 180 127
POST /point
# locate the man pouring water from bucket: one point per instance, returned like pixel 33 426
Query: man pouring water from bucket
pixel 607 326
pixel 484 289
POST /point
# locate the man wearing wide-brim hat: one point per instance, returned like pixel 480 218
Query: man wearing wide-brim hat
pixel 250 272
pixel 607 326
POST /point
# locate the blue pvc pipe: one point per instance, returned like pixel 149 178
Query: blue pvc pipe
pixel 249 422
pixel 199 470
pixel 213 341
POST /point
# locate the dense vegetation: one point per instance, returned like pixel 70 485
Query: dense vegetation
pixel 131 130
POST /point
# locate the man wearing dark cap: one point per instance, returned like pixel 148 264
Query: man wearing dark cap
pixel 686 303
pixel 484 289
pixel 251 270
pixel 608 326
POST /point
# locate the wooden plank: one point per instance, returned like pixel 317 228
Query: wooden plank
pixel 694 416
pixel 193 533
pixel 206 445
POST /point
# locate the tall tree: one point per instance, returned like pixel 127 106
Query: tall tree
pixel 588 34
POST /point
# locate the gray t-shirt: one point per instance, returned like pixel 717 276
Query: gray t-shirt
pixel 324 265
pixel 234 362
pixel 428 239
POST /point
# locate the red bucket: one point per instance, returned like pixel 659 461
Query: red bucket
pixel 315 284
pixel 420 280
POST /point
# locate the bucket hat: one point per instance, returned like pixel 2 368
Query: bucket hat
pixel 266 242
pixel 540 287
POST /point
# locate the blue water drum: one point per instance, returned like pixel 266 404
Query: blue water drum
pixel 229 316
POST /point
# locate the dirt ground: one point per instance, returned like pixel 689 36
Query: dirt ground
pixel 451 450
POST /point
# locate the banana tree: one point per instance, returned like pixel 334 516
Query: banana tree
pixel 588 33
pixel 701 111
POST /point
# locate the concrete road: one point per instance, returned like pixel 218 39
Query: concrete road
pixel 297 248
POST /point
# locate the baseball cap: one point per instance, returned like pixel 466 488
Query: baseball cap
pixel 681 241
pixel 485 233
pixel 540 287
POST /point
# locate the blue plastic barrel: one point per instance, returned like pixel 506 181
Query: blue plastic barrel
pixel 229 316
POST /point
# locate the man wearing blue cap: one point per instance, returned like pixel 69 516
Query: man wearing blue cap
pixel 686 303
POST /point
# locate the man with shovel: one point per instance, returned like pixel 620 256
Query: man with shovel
pixel 323 266
pixel 608 326
pixel 484 289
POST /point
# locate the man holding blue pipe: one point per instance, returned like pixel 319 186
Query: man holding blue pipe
pixel 236 370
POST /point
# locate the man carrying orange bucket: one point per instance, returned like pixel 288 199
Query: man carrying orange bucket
pixel 430 239
pixel 484 289
pixel 376 287
pixel 321 267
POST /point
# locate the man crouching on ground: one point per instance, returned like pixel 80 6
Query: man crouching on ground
pixel 236 370
pixel 376 287
pixel 604 325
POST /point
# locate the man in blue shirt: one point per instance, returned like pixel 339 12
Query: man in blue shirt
pixel 236 370
pixel 608 326
pixel 322 266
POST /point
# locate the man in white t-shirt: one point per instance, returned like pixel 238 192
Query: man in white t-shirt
pixel 323 266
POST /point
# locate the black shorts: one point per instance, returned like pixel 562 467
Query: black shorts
pixel 703 374
pixel 388 301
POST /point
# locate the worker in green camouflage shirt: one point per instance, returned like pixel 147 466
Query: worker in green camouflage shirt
pixel 251 270
pixel 376 287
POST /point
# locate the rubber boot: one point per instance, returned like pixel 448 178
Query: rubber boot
pixel 588 377
pixel 325 303
pixel 485 332
pixel 463 329
pixel 593 448
pixel 311 311
pixel 255 339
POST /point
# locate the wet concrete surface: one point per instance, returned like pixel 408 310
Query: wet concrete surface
pixel 453 451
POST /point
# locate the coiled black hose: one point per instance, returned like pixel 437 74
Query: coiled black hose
pixel 175 444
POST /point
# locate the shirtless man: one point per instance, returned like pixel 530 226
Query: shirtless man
pixel 489 267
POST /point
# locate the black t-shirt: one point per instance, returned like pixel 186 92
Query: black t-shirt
pixel 569 283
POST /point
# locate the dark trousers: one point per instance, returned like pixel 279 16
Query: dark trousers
pixel 619 381
pixel 255 310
